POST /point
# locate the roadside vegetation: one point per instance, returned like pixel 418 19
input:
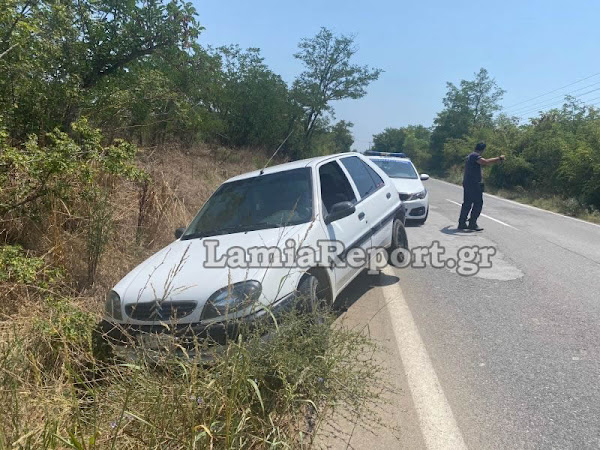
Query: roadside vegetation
pixel 116 124
pixel 552 161
pixel 61 385
pixel 57 392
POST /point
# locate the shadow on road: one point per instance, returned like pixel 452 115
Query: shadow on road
pixel 413 224
pixel 455 231
pixel 359 287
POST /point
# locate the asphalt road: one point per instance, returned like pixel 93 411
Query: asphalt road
pixel 507 358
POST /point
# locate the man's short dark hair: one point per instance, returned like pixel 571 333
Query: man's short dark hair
pixel 479 147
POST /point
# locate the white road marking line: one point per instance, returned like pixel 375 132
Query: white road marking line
pixel 488 217
pixel 438 425
pixel 525 205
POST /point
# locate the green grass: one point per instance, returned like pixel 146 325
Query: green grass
pixel 567 206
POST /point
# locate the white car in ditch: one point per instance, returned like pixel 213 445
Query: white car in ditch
pixel 213 272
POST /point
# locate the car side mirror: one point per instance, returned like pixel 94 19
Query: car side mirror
pixel 179 232
pixel 424 176
pixel 339 211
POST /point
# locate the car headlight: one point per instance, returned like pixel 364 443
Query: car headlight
pixel 231 299
pixel 419 195
pixel 113 306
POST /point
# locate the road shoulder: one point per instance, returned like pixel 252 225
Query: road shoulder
pixel 367 310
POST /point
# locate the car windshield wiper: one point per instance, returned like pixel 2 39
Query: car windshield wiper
pixel 230 230
pixel 202 234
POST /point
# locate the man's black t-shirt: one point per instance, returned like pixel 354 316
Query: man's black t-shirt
pixel 473 170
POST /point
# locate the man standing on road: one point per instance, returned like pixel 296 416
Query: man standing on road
pixel 473 188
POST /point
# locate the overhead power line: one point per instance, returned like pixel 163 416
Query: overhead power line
pixel 588 103
pixel 553 91
pixel 551 105
pixel 562 96
pixel 592 100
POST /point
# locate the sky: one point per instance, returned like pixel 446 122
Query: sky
pixel 530 47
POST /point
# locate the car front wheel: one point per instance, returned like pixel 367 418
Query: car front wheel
pixel 313 297
pixel 308 294
pixel 399 238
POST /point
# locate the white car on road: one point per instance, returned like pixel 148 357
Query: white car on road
pixel 409 184
pixel 344 201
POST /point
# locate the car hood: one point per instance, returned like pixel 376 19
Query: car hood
pixel 407 185
pixel 178 272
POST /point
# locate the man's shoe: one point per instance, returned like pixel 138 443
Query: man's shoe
pixel 462 226
pixel 475 227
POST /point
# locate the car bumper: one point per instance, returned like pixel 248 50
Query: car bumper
pixel 416 209
pixel 188 336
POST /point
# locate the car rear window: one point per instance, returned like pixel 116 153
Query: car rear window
pixel 396 169
pixel 366 179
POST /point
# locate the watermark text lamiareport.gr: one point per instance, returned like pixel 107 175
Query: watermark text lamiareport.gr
pixel 467 261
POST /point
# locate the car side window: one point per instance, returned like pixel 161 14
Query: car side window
pixel 365 178
pixel 335 186
pixel 374 175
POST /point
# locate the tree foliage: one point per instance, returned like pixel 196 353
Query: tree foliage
pixel 137 71
pixel 329 76
pixel 60 51
pixel 254 105
pixel 412 140
pixel 470 106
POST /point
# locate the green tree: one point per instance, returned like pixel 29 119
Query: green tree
pixel 416 145
pixel 60 51
pixel 329 75
pixel 342 136
pixel 412 140
pixel 471 104
pixel 254 104
pixel 389 140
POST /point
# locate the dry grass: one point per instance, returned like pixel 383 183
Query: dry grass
pixel 257 394
pixel 180 182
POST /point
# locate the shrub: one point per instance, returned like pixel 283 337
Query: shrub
pixel 22 275
pixel 64 168
pixel 572 207
pixel 16 266
pixel 512 173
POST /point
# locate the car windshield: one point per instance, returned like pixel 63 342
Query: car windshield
pixel 396 169
pixel 265 201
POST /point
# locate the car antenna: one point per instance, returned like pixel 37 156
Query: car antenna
pixel 273 155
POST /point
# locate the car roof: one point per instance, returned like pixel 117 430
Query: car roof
pixel 309 162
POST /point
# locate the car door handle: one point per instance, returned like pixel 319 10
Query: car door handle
pixel 388 195
pixel 361 216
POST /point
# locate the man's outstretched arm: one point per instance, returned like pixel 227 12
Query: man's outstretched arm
pixel 490 161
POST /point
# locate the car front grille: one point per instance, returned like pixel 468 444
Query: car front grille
pixel 157 310
pixel 404 197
